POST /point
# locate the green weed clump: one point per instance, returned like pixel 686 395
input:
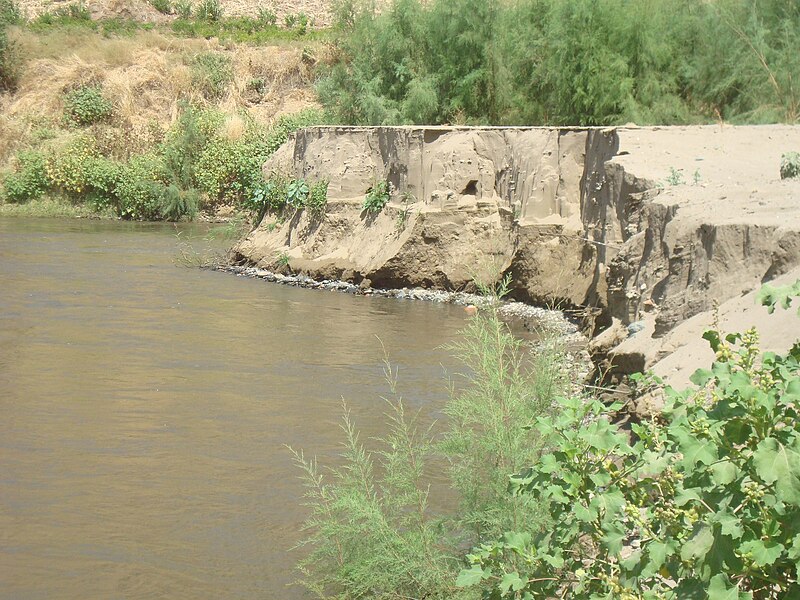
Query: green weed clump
pixel 29 181
pixel 209 10
pixel 377 197
pixel 86 105
pixel 703 502
pixel 790 165
pixel 196 166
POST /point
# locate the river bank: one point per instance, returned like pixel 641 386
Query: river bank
pixel 647 226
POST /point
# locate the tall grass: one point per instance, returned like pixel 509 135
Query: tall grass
pixel 371 530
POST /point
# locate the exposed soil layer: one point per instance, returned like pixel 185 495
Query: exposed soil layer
pixel 649 226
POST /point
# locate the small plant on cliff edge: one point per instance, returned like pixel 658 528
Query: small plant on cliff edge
pixel 705 503
pixel 790 165
pixel 675 177
pixel 317 197
pixel 297 193
pixel 377 197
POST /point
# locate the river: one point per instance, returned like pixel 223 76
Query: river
pixel 146 405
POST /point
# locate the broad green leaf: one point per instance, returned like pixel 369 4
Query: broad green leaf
pixel 613 535
pixel 779 464
pixel 698 544
pixel 608 504
pixel 517 541
pixel 713 339
pixel 658 552
pixel 763 553
pixel 601 479
pixel 694 450
pixel 730 524
pixel 471 576
pixel 511 581
pixel 601 435
pixel 582 513
pixel 794 550
pixel 724 472
pixel 701 377
pixel 684 496
pixel 721 588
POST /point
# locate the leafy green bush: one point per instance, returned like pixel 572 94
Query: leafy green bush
pixel 212 72
pixel 86 105
pixel 29 181
pixel 229 171
pixel 377 197
pixel 268 196
pixel 790 165
pixel 267 16
pixel 139 195
pixel 705 502
pixel 176 203
pixel 9 12
pixel 297 193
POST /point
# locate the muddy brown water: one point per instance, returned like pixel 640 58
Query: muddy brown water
pixel 145 408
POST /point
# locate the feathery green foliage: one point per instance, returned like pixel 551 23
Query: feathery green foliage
pixel 552 62
pixel 371 531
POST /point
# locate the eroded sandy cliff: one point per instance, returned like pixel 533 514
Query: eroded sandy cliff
pixel 649 225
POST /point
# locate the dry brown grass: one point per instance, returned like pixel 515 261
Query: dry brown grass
pixel 147 75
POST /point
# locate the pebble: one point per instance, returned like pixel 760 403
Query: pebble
pixel 549 319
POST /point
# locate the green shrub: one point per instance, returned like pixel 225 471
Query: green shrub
pixel 82 174
pixel 86 105
pixel 209 10
pixel 71 15
pixel 372 532
pixel 554 62
pixel 229 172
pixel 212 72
pixel 29 181
pixel 790 165
pixel 176 203
pixel 705 502
pixel 377 197
pixel 268 196
pixel 138 191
